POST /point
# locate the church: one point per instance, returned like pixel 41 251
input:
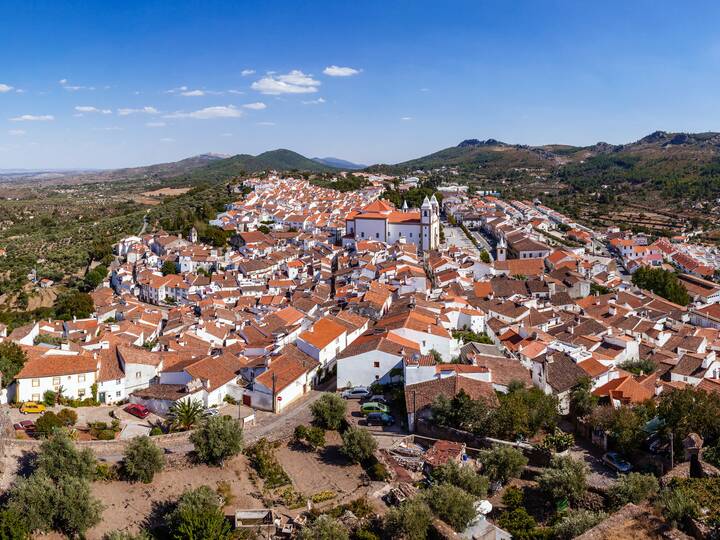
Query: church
pixel 381 221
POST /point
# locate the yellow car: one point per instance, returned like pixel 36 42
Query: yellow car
pixel 30 407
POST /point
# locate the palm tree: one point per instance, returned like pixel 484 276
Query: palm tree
pixel 186 414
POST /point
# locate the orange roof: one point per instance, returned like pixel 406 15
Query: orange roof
pixel 378 206
pixel 322 333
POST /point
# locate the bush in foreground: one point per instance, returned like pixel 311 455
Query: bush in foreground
pixel 453 505
pixel 463 477
pixel 409 521
pixel 358 444
pixel 502 463
pixel 329 411
pixel 198 516
pixel 142 460
pixel 577 522
pixel 324 528
pixel 632 488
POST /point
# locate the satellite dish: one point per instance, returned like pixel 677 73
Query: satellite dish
pixel 483 507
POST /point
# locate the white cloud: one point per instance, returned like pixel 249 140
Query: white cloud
pixel 424 89
pixel 33 118
pixel 247 72
pixel 226 134
pixel 144 110
pixel 209 113
pixel 257 106
pixel 193 93
pixel 19 91
pixel 317 101
pixel 236 92
pixel 406 118
pixel 5 88
pixel 72 88
pixel 89 109
pixel 266 123
pixel 109 128
pixel 177 90
pixel 167 139
pixel 295 82
pixel 17 132
pixel 155 124
pixel 338 71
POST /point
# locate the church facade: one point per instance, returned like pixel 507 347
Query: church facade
pixel 381 221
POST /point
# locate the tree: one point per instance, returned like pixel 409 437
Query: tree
pixel 142 460
pixel 48 423
pixel 358 444
pixel 632 488
pixel 324 528
pixel 523 412
pixel 59 458
pixel 198 516
pixel 566 477
pixel 460 412
pixel 451 504
pixel 501 463
pixel 186 414
pixel 677 505
pixel 312 436
pixel 49 398
pixel 576 522
pixel 217 439
pixel 690 410
pixel 124 535
pixel 582 400
pixel 409 521
pixel 513 497
pixel 485 256
pixel 35 499
pixel 462 476
pixel 662 282
pixel 12 360
pixel 74 304
pixel 168 268
pixel 329 411
pixel 623 424
pixel 77 510
pixel 263 229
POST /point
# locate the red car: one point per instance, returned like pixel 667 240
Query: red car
pixel 25 425
pixel 141 411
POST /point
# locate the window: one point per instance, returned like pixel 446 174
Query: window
pixel 81 377
pixel 410 235
pixel 377 235
pixel 56 381
pixel 138 374
pixel 81 392
pixel 376 364
pixel 362 234
pixel 117 394
pixel 117 381
pixel 36 382
pixel 425 213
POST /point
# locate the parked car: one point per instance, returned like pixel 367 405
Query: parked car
pixel 30 407
pixel 371 407
pixel 357 392
pixel 141 411
pixel 657 445
pixel 617 462
pixel 377 398
pixel 380 419
pixel 25 425
pixel 211 412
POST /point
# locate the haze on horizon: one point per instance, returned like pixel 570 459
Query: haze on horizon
pixel 98 85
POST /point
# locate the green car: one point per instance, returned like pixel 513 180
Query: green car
pixel 373 406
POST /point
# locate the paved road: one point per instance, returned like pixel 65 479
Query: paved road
pixel 454 236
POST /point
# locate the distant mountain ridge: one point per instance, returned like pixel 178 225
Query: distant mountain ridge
pixel 338 163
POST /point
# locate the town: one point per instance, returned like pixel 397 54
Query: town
pixel 339 366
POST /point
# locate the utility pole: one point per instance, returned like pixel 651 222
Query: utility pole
pixel 672 450
pixel 274 408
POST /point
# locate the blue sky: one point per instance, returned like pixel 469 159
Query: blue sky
pixel 111 84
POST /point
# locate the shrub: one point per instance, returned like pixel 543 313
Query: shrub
pixel 502 463
pixel 185 414
pixel 262 458
pixel 324 528
pixel 106 472
pixel 462 476
pixel 59 458
pixel 376 471
pixel 124 535
pixel 49 398
pixel 358 444
pixel 323 496
pixel 329 411
pixel 106 435
pixel 68 417
pixel 155 431
pixel 453 505
pixel 577 522
pixel 35 499
pixel 313 436
pixel 198 515
pixel 365 534
pixel 558 441
pixel 13 526
pixel 409 521
pixel 518 523
pixel 632 488
pixel 217 439
pixel 77 510
pixel 566 477
pixel 293 499
pixel 513 497
pixel 48 423
pixel 677 505
pixel 142 460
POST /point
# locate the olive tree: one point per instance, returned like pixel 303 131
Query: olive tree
pixel 142 460
pixel 329 411
pixel 219 438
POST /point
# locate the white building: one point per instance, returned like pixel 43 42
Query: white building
pixel 380 221
pixel 68 372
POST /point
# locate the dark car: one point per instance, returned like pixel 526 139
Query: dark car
pixel 141 411
pixel 25 425
pixel 380 419
pixel 377 398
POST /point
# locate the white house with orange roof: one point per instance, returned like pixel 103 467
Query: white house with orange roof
pixel 381 221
